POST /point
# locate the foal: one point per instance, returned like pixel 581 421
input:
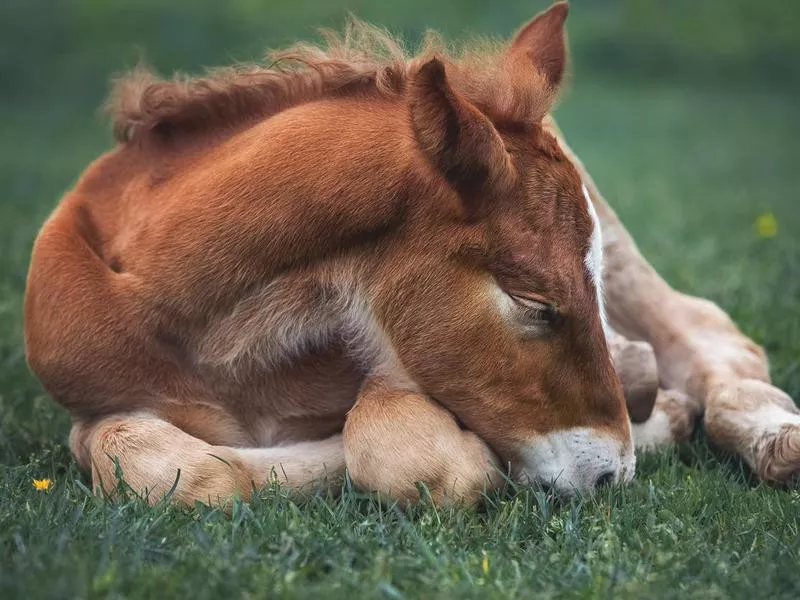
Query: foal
pixel 379 263
pixel 384 264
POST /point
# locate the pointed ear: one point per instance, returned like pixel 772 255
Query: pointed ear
pixel 543 42
pixel 457 138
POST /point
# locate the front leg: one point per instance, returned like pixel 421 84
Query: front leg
pixel 699 352
pixel 395 439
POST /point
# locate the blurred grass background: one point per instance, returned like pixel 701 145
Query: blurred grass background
pixel 685 112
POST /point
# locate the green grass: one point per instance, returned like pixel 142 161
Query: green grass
pixel 688 161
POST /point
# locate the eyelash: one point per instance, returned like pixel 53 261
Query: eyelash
pixel 532 310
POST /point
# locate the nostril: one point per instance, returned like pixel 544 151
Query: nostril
pixel 604 479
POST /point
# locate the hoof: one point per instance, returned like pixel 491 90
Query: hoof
pixel 636 367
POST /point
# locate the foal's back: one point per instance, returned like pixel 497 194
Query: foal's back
pixel 190 253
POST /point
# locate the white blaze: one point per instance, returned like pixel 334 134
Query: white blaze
pixel 594 257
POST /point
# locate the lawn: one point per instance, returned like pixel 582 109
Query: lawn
pixel 687 119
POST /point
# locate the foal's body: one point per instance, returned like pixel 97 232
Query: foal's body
pixel 265 343
pixel 199 305
pixel 257 367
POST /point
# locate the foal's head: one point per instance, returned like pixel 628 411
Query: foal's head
pixel 502 319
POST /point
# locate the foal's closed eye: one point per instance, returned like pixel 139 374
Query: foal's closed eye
pixel 536 312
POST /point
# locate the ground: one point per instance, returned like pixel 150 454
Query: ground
pixel 701 163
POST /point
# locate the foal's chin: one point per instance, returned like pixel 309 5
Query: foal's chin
pixel 579 460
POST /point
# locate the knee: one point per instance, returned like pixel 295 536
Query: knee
pixel 389 454
pixel 152 457
pixel 458 478
pixel 93 440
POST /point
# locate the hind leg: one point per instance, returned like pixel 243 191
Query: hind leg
pixel 699 352
pixel 395 439
pixel 154 455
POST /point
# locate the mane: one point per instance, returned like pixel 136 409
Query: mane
pixel 362 60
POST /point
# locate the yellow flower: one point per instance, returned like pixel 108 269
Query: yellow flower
pixel 767 225
pixel 485 564
pixel 42 485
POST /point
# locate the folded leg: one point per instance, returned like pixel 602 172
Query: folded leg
pixel 154 456
pixel 700 352
pixel 396 439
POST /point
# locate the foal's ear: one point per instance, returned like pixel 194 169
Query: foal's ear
pixel 543 41
pixel 457 138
